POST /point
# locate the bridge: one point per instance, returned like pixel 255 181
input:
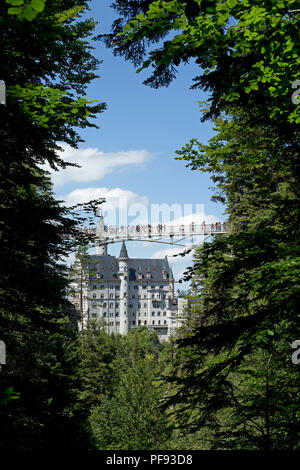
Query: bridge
pixel 105 235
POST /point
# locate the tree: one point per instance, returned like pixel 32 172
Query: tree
pixel 246 298
pixel 46 64
pixel 246 50
pixel 95 351
pixel 131 418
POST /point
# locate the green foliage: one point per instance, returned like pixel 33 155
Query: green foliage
pixel 95 351
pixel 131 418
pixel 42 104
pixel 47 65
pixel 26 10
pixel 244 309
pixel 246 50
pixel 8 395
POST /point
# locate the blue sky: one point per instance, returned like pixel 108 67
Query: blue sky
pixel 133 151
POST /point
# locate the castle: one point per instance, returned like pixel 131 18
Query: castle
pixel 128 292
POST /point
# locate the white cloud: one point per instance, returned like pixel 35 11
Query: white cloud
pixel 170 252
pixel 116 205
pixel 115 197
pixel 94 164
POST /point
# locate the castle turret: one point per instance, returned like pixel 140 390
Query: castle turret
pixel 124 289
pixel 101 246
pixel 171 285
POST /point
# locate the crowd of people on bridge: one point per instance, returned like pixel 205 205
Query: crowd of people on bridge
pixel 162 228
pixel 159 228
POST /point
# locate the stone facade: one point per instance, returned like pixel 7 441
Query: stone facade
pixel 130 292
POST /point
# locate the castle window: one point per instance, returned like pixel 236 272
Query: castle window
pixel 104 314
pixel 145 304
pixel 117 304
pixel 94 286
pixel 164 314
pixel 158 314
pixel 144 287
pixel 135 287
pixel 102 296
pixel 117 314
pixel 159 322
pixel 111 296
pixel 153 322
pixel 165 322
pixel 94 296
pixel 145 322
pixel 153 313
pixel 111 305
pixel 133 297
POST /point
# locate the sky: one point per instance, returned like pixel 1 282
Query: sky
pixel 129 160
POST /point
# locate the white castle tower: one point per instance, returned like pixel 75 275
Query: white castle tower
pixel 124 290
pixel 171 286
pixel 101 248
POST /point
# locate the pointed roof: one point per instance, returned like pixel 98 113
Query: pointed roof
pixel 171 275
pixel 123 252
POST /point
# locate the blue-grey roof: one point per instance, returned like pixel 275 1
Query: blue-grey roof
pixel 123 252
pixel 107 266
